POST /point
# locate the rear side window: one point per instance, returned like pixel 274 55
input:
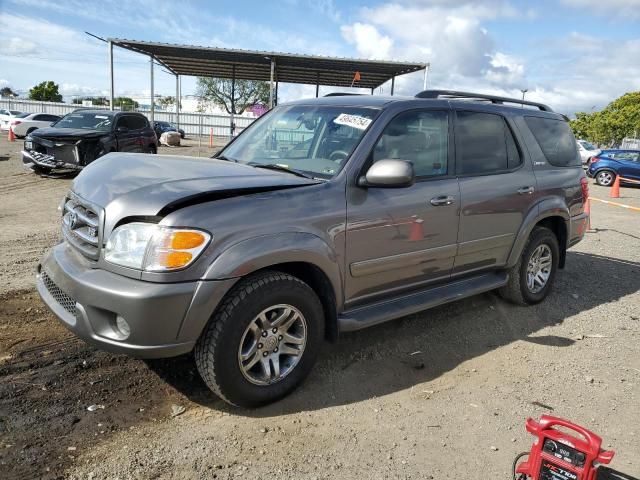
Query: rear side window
pixel 484 144
pixel 137 122
pixel 556 141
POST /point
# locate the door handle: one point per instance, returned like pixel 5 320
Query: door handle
pixel 526 190
pixel 442 200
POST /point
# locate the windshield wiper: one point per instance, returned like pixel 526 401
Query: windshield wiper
pixel 281 168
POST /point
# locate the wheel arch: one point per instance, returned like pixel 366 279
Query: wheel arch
pixel 302 255
pixel 550 213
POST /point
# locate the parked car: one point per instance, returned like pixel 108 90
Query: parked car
pixel 24 124
pixel 161 127
pixel 254 257
pixel 611 163
pixel 6 116
pixel 81 136
pixel 587 151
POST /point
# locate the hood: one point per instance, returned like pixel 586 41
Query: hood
pixel 135 184
pixel 52 133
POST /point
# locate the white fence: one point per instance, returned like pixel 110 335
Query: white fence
pixel 191 123
pixel 631 143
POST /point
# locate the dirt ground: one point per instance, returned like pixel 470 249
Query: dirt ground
pixel 441 394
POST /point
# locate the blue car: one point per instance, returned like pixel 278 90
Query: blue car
pixel 612 163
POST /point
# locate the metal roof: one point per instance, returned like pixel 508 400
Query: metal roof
pixel 256 65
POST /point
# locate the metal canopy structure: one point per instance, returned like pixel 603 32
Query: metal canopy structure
pixel 266 66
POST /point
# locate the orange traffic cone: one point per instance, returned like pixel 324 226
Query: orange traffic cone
pixel 587 210
pixel 615 188
pixel 415 233
pixel 12 136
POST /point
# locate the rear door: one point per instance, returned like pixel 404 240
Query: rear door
pixel 402 238
pixel 496 189
pixel 128 139
pixel 629 165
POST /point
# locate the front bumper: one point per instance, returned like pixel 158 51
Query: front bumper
pixel 165 319
pixel 31 159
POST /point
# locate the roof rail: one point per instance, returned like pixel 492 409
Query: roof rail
pixel 341 94
pixel 452 94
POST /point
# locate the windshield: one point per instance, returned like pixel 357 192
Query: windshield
pixel 85 121
pixel 15 112
pixel 23 115
pixel 316 140
pixel 587 145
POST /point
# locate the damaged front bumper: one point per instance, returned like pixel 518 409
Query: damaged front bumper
pixel 32 159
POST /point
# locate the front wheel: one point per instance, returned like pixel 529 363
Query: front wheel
pixel 605 178
pixel 262 341
pixel 530 279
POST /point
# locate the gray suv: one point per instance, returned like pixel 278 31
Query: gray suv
pixel 324 216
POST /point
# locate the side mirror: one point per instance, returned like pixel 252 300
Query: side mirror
pixel 122 129
pixel 391 173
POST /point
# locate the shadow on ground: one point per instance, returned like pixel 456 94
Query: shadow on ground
pixel 382 360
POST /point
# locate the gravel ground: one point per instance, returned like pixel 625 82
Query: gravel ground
pixel 441 394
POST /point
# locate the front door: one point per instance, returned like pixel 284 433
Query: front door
pixel 399 238
pixel 496 190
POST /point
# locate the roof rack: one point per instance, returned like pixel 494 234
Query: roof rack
pixel 341 94
pixel 452 94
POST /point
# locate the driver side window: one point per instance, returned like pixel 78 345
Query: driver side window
pixel 420 137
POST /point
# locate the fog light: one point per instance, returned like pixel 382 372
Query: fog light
pixel 123 326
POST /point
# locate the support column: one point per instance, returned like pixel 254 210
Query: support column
pixel 273 68
pixel 177 101
pixel 276 96
pixel 317 83
pixel 372 91
pixel 111 75
pixel 393 84
pixel 232 125
pixel 424 80
pixel 153 103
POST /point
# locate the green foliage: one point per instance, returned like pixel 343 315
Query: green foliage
pixel 164 102
pixel 219 92
pixel 6 92
pixel 100 101
pixel 125 103
pixel 620 119
pixel 45 92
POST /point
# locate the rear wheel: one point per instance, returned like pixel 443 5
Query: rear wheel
pixel 605 178
pixel 530 279
pixel 262 341
pixel 153 149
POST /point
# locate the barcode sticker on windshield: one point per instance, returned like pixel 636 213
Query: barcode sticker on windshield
pixel 355 121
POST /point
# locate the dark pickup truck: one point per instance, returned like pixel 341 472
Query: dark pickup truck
pixel 324 216
pixel 80 137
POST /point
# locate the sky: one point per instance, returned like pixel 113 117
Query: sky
pixel 575 55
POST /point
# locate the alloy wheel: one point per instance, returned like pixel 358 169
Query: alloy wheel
pixel 539 268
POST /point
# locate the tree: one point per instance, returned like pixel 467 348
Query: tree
pixel 7 92
pixel 125 103
pixel 164 102
pixel 45 92
pixel 619 119
pixel 219 91
pixel 100 101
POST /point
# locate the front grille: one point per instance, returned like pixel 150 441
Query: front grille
pixel 80 227
pixel 65 301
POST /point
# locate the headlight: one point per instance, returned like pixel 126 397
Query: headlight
pixel 154 248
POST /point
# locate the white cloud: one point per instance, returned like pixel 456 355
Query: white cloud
pixel 369 42
pixel 611 8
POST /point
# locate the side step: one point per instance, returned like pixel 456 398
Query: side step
pixel 363 317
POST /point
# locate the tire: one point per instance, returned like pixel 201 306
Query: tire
pixel 231 330
pixel 152 149
pixel 517 289
pixel 605 178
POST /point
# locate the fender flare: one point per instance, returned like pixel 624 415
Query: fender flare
pixel 545 208
pixel 264 251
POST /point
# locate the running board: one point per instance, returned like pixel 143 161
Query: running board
pixel 363 317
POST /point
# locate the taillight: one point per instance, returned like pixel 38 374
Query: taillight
pixel 16 122
pixel 595 159
pixel 585 189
